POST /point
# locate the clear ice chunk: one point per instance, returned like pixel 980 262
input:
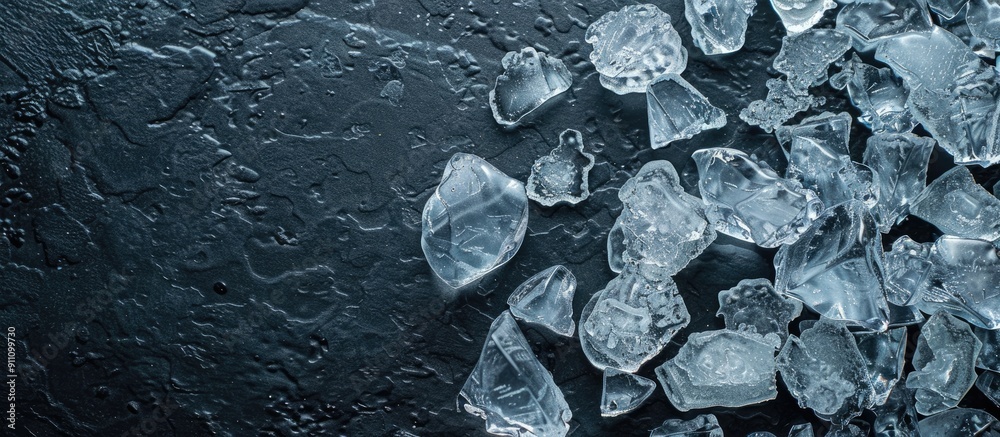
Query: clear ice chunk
pixel 529 80
pixel 831 130
pixel 781 104
pixel 633 46
pixel 632 319
pixel 677 111
pixel 884 355
pixel 988 383
pixel 989 355
pixel 718 26
pixel 474 222
pixel 957 205
pixel 562 176
pixel 897 417
pixel 753 306
pixel 983 18
pixel 900 160
pixel 705 425
pixel 960 422
pixel 947 9
pixel 824 371
pixel 805 57
pixel 836 269
pixel 511 390
pixel 750 201
pixel 944 363
pixel 871 22
pixel 878 93
pixel 721 368
pixel 660 224
pixel 623 392
pixel 903 315
pixel 801 430
pixel 801 15
pixel 546 299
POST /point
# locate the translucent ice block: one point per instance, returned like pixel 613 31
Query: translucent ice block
pixel 705 425
pixel 677 111
pixel 753 306
pixel 546 299
pixel 989 355
pixel 801 430
pixel 623 392
pixel 870 22
pixel 897 417
pixel 833 176
pixel 878 94
pixel 781 104
pixel 988 383
pixel 983 18
pixel 718 26
pixel 633 46
pixel 947 9
pixel 800 15
pixel 959 206
pixel 562 176
pixel 805 57
pixel 944 363
pixel 884 354
pixel 900 161
pixel 832 131
pixel 960 422
pixel 528 81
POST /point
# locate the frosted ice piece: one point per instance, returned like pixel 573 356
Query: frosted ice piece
pixel 632 319
pixel 988 383
pixel 720 369
pixel 870 22
pixel 546 299
pixel 897 417
pixel 801 430
pixel 957 205
pixel 805 57
pixel 835 268
pixel 781 104
pixel 834 177
pixel 960 422
pixel 750 200
pixel 474 222
pixel 660 224
pixel 705 425
pixel 989 355
pixel 952 94
pixel 801 15
pixel 947 9
pixel 562 175
pixel 900 160
pixel 824 371
pixel 878 94
pixel 511 390
pixel 718 26
pixel 883 353
pixel 529 80
pixel 623 392
pixel 633 46
pixel 983 18
pixel 961 276
pixel 677 111
pixel 753 306
pixel 944 363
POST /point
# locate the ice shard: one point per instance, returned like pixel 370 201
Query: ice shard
pixel 750 201
pixel 835 268
pixel 623 392
pixel 989 355
pixel 720 369
pixel 718 26
pixel 960 422
pixel 546 299
pixel 947 9
pixel 474 221
pixel 511 390
pixel 878 93
pixel 705 425
pixel 562 176
pixel 958 206
pixel 900 161
pixel 528 81
pixel 805 57
pixel 677 111
pixel 800 15
pixel 632 319
pixel 988 383
pixel 753 306
pixel 824 371
pixel 781 104
pixel 833 176
pixel 983 18
pixel 633 46
pixel 884 354
pixel 801 430
pixel 871 22
pixel 944 363
pixel 660 225
pixel 831 131
pixel 897 417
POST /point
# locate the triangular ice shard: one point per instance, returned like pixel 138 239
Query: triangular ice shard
pixel 677 111
pixel 623 392
pixel 546 299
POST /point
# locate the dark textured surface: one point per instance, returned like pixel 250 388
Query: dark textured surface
pixel 212 210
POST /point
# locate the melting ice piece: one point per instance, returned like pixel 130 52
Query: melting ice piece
pixel 878 94
pixel 944 363
pixel 952 94
pixel 474 222
pixel 801 430
pixel 718 26
pixel 633 46
pixel 959 206
pixel 632 319
pixel 961 276
pixel 660 224
pixel 835 268
pixel 825 371
pixel 960 422
pixel 781 104
pixel 528 81
pixel 677 111
pixel 511 390
pixel 562 175
pixel 623 392
pixel 900 160
pixel 750 200
pixel 720 369
pixel 753 306
pixel 947 9
pixel 897 417
pixel 884 354
pixel 546 299
pixel 989 384
pixel 871 22
pixel 989 355
pixel 705 425
pixel 801 15
pixel 805 57
pixel 822 167
pixel 983 18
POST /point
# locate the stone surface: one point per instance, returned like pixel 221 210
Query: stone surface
pixel 633 46
pixel 623 392
pixel 563 175
pixel 677 111
pixel 529 80
pixel 546 299
pixel 944 364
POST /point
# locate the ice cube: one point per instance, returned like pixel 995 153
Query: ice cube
pixel 879 94
pixel 677 111
pixel 623 392
pixel 781 104
pixel 633 46
pixel 528 81
pixel 983 18
pixel 958 206
pixel 870 22
pixel 546 299
pixel 897 417
pixel 562 175
pixel 960 422
pixel 753 306
pixel 884 354
pixel 705 425
pixel 944 363
pixel 805 57
pixel 718 26
pixel 800 15
pixel 900 160
pixel 511 390
pixel 474 222
pixel 989 384
pixel 989 355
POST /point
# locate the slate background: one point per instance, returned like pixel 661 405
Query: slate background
pixel 212 210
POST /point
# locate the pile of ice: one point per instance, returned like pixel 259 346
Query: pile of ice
pixel 826 216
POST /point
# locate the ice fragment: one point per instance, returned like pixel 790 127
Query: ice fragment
pixel 884 354
pixel 944 363
pixel 677 111
pixel 870 22
pixel 989 355
pixel 959 206
pixel 960 422
pixel 705 425
pixel 718 26
pixel 897 417
pixel 528 81
pixel 989 384
pixel 781 104
pixel 801 430
pixel 878 94
pixel 947 9
pixel 805 57
pixel 623 392
pixel 753 306
pixel 562 175
pixel 800 15
pixel 546 299
pixel 633 46
pixel 983 18
pixel 900 160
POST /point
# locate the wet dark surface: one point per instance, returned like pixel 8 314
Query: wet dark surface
pixel 211 210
